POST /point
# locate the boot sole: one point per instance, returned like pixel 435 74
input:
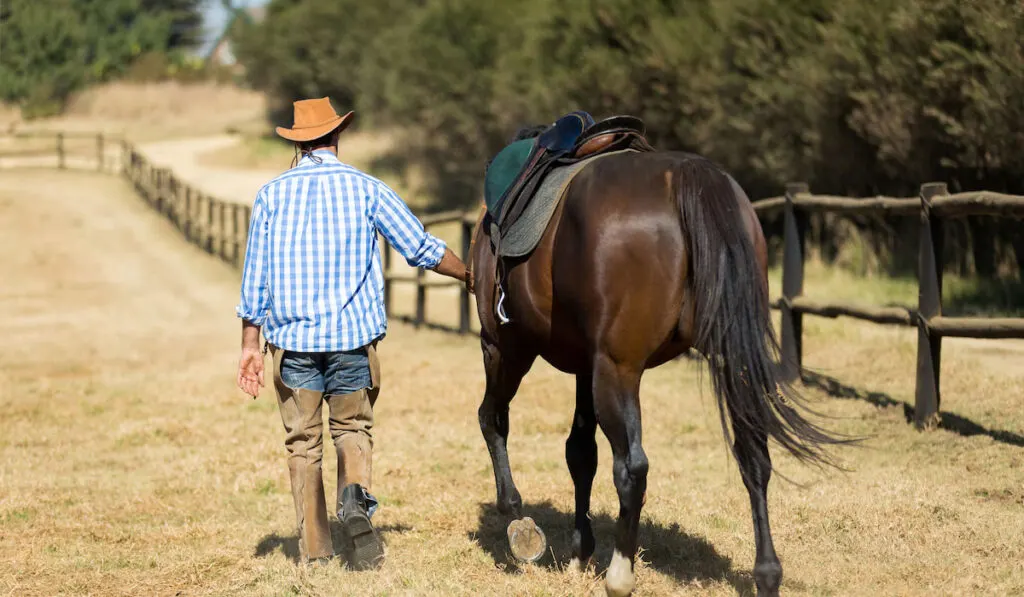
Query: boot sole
pixel 365 550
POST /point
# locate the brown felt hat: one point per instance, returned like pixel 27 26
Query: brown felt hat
pixel 313 119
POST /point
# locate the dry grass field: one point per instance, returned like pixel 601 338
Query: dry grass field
pixel 147 111
pixel 132 466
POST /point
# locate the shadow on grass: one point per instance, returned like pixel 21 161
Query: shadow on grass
pixel 948 422
pixel 994 297
pixel 289 545
pixel 667 549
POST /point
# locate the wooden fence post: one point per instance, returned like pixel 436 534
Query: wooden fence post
pixel 929 305
pixel 795 226
pixel 158 195
pixel 467 237
pixel 208 240
pixel 169 198
pixel 223 231
pixel 247 218
pixel 197 223
pixel 236 210
pixel 127 160
pixel 99 152
pixel 187 223
pixel 387 276
pixel 421 297
pixel 172 199
pixel 60 150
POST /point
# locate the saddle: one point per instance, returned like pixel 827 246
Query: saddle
pixel 516 172
pixel 516 181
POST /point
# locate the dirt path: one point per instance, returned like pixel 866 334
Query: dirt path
pixel 183 157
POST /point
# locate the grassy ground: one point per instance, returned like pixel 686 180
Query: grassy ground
pixel 131 466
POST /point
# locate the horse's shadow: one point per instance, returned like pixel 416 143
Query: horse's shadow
pixel 667 549
pixel 289 545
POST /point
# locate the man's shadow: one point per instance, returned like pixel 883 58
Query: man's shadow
pixel 667 549
pixel 289 545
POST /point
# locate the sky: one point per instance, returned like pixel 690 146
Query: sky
pixel 216 18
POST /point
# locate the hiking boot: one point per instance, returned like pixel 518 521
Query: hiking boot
pixel 363 549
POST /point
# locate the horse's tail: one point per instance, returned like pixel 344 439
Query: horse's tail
pixel 733 327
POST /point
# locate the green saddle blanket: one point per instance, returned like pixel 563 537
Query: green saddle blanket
pixel 502 172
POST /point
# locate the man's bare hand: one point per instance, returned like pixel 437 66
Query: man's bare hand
pixel 250 371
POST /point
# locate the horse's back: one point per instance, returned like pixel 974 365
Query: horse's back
pixel 619 258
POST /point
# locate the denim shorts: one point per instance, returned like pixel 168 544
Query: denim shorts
pixel 332 373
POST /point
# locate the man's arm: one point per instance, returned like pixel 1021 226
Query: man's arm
pixel 405 232
pixel 250 365
pixel 453 267
pixel 254 300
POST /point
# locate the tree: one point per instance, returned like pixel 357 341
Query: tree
pixel 51 48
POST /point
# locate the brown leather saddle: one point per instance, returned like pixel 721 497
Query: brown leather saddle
pixel 561 145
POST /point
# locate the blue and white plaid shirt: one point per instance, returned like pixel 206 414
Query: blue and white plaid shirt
pixel 312 275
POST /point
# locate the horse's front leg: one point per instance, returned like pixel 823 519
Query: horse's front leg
pixel 504 374
pixel 617 405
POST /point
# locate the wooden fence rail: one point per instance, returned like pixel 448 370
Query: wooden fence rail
pixel 932 205
pixel 63 150
pixel 221 229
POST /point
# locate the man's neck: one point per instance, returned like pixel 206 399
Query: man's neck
pixel 329 148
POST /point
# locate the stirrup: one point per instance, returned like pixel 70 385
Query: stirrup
pixel 500 309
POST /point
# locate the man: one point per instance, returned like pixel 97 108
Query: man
pixel 312 280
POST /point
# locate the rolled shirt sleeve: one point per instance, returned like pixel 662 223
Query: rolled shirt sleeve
pixel 254 303
pixel 393 218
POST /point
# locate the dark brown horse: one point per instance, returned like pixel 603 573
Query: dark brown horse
pixel 648 255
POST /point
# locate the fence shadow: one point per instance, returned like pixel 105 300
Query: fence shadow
pixel 949 421
pixel 667 549
pixel 289 544
pixel 993 297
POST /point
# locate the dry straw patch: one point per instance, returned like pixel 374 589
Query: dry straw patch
pixel 131 466
pixel 146 111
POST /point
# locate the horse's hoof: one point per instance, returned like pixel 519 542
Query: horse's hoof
pixel 526 540
pixel 619 581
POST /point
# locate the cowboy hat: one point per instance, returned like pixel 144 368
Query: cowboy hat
pixel 314 118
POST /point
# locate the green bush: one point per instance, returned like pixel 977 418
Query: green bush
pixel 51 48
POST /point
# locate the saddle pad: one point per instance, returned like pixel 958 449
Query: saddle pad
pixel 524 234
pixel 502 172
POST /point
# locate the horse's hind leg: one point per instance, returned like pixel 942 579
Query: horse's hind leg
pixel 751 448
pixel 581 456
pixel 617 405
pixel 505 371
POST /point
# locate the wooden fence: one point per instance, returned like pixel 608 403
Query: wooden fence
pixel 932 206
pixel 61 150
pixel 466 222
pixel 221 227
pixel 218 227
